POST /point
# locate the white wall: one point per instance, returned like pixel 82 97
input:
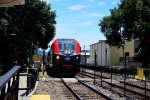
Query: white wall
pixel 100 49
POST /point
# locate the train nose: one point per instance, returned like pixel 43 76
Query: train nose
pixel 69 52
pixel 67 58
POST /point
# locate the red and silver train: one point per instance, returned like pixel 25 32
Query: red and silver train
pixel 64 57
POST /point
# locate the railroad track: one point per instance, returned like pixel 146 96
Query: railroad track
pixel 83 92
pixel 134 89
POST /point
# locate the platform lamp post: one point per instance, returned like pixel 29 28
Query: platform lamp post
pixel 13 35
pixel 123 44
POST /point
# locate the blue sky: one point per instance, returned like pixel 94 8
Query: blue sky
pixel 79 19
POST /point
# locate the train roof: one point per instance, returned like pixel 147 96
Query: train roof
pixel 65 39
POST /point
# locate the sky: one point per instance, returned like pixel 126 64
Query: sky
pixel 79 19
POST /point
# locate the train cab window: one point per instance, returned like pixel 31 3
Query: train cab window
pixel 60 46
pixel 71 47
pixel 65 46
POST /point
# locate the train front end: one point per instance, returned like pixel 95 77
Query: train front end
pixel 66 58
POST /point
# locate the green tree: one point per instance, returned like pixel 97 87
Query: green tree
pixel 130 20
pixel 24 27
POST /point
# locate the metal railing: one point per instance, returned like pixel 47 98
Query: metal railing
pixel 112 74
pixel 9 84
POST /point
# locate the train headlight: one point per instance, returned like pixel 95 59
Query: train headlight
pixel 57 57
pixel 77 57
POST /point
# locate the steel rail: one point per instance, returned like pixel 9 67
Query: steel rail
pixel 122 82
pixel 111 90
pixel 101 94
pixel 132 91
pixel 76 95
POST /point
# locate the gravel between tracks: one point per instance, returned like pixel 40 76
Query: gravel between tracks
pixel 55 89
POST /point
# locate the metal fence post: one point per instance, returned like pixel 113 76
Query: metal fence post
pixel 125 77
pixel 111 78
pixel 95 66
pixel 145 88
pixel 82 71
pixel 101 75
pixel 94 77
pixel 126 54
pixel 85 61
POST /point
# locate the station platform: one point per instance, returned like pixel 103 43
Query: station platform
pixel 22 93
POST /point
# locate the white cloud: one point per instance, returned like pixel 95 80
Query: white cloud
pixel 76 7
pixel 101 3
pixel 88 23
pixel 114 2
pixel 96 14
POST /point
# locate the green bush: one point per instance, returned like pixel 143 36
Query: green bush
pixel 147 72
pixel 0 72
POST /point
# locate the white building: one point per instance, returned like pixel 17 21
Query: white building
pixel 102 51
pixel 85 56
pixel 109 55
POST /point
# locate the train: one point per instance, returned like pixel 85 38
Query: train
pixel 63 57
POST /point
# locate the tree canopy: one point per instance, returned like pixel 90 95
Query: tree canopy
pixel 130 20
pixel 24 27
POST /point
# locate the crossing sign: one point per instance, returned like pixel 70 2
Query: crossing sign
pixel 37 58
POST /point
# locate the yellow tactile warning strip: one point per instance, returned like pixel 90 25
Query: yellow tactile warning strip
pixel 40 97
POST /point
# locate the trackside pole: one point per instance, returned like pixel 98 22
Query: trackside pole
pixel 95 66
pixel 43 76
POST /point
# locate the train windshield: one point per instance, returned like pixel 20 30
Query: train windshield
pixel 66 45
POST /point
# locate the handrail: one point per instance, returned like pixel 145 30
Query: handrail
pixel 6 78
